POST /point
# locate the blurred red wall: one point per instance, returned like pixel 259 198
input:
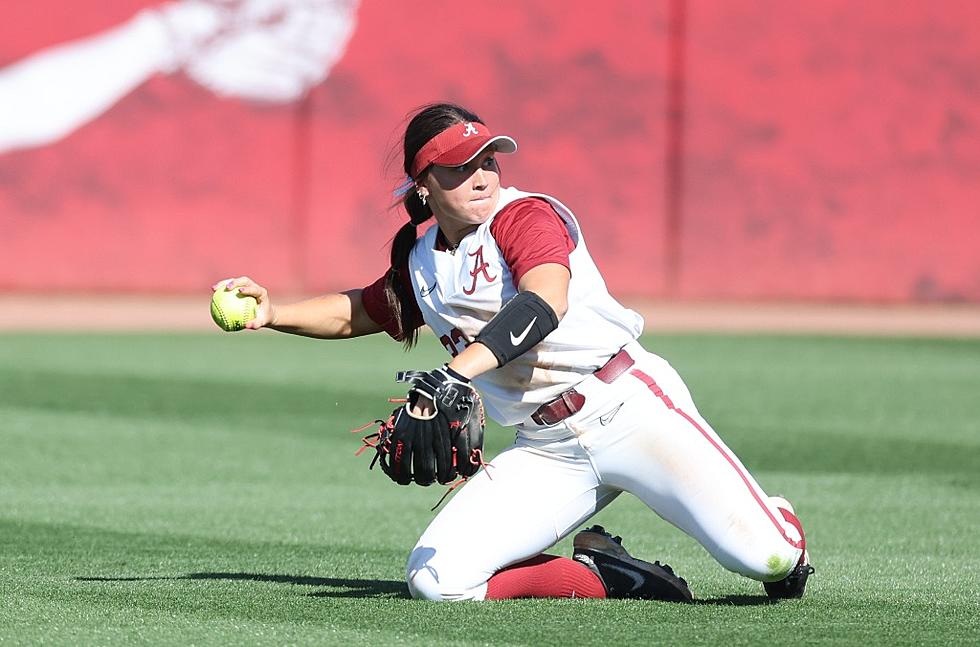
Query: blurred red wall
pixel 747 149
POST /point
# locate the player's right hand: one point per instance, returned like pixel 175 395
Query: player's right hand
pixel 265 312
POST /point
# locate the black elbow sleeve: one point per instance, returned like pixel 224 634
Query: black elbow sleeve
pixel 523 322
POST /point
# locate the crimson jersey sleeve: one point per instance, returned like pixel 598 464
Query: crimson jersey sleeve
pixel 376 305
pixel 530 233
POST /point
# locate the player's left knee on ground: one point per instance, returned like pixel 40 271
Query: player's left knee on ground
pixel 428 581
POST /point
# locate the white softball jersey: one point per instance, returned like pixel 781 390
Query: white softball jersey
pixel 459 291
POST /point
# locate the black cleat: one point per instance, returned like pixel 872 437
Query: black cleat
pixel 791 586
pixel 794 584
pixel 624 576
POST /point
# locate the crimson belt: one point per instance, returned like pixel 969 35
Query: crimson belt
pixel 571 401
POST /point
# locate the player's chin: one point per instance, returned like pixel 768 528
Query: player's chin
pixel 479 210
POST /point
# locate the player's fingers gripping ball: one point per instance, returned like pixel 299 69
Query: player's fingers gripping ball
pixel 231 310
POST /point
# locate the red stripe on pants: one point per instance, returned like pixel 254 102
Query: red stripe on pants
pixel 657 391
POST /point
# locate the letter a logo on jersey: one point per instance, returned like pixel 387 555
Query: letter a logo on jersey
pixel 479 267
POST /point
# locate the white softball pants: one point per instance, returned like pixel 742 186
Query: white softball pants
pixel 641 434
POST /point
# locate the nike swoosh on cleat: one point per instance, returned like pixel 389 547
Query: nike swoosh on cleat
pixel 517 340
pixel 636 578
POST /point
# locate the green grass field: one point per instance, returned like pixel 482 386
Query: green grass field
pixel 203 489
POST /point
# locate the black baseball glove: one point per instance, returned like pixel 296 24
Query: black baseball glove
pixel 441 447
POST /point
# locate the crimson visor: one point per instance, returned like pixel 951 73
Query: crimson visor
pixel 458 144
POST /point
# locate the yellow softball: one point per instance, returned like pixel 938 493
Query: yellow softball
pixel 231 310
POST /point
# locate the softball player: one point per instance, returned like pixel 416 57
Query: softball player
pixel 506 282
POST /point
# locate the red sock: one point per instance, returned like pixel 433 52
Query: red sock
pixel 545 576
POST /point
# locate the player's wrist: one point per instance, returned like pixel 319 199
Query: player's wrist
pixel 455 374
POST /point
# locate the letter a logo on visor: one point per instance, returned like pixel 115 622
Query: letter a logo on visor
pixel 457 145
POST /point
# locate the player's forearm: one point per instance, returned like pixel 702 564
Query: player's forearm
pixel 331 316
pixel 475 359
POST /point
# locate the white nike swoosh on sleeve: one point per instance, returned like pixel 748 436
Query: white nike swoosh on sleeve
pixel 517 340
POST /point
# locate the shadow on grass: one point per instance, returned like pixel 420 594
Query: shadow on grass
pixel 349 588
pixel 738 601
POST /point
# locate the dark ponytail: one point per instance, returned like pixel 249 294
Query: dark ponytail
pixel 428 122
